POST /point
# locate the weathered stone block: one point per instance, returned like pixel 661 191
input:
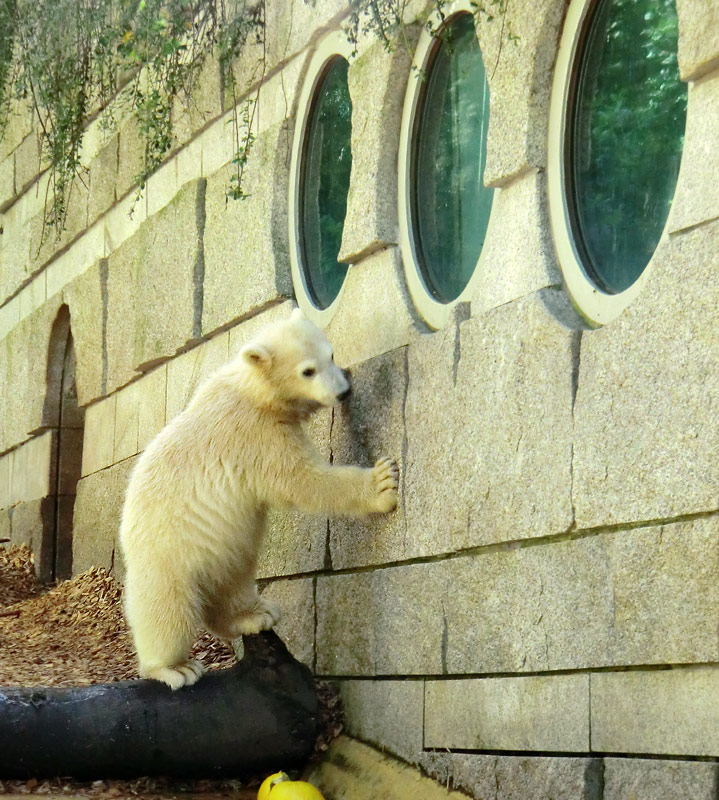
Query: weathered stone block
pixel 7 182
pixel 246 261
pixel 368 427
pixel 168 276
pixel 97 451
pixel 5 527
pixel 15 258
pixel 698 37
pixel 130 156
pixel 152 389
pixel 518 254
pixel 98 506
pixel 480 464
pixel 5 471
pixel 648 395
pixel 540 712
pixel 86 298
pixel 296 626
pixel 376 84
pixel 567 605
pixel 30 468
pixel 517 777
pixel 644 779
pixel 187 371
pixel 668 712
pixel 27 521
pixel 27 162
pixel 127 421
pixel 375 314
pixel 242 333
pixel 520 74
pixel 18 126
pixel 121 302
pixel 696 198
pixel 103 176
pixel 387 714
pixel 161 187
pixel 192 111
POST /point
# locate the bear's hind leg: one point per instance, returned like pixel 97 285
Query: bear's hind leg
pixel 163 639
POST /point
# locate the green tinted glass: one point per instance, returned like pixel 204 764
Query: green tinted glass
pixel 625 138
pixel 327 162
pixel 450 204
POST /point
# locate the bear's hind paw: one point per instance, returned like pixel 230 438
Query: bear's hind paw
pixel 185 674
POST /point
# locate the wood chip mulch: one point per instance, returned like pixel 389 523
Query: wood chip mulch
pixel 75 635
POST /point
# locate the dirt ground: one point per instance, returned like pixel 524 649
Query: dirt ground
pixel 74 634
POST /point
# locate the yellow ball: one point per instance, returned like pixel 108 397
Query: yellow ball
pixel 266 786
pixel 294 790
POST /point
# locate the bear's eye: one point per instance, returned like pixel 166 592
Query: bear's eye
pixel 309 372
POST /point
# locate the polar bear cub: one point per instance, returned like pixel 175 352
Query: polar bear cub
pixel 195 508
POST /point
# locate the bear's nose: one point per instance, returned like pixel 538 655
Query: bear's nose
pixel 344 395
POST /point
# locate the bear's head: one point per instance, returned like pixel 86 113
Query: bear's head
pixel 292 365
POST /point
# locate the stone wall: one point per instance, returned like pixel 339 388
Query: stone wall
pixel 539 618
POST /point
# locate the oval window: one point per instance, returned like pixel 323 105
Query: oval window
pixel 625 122
pixel 324 183
pixel 450 205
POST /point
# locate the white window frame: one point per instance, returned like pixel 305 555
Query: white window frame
pixel 435 313
pixel 332 45
pixel 595 305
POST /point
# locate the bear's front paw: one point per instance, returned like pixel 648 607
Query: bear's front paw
pixel 386 482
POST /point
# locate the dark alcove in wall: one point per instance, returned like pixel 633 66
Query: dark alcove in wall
pixel 65 418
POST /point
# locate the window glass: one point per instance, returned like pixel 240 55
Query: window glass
pixel 626 133
pixel 450 204
pixel 327 162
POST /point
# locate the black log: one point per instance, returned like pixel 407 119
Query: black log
pixel 256 717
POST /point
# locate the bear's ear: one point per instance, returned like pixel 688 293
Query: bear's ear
pixel 297 313
pixel 256 354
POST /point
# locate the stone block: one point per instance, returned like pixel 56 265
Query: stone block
pixel 25 359
pixel 123 220
pixel 5 495
pixel 7 182
pixel 27 162
pixel 517 777
pixel 38 458
pixel 374 314
pixel 121 324
pixel 161 187
pixel 644 779
pixel 297 623
pixel 97 451
pixel 15 255
pixel 192 111
pixel 538 712
pixel 80 256
pixel 28 521
pixel 86 298
pixel 168 276
pixel 98 507
pixel 481 400
pixel 241 333
pixel 296 542
pixel 5 527
pixel 377 81
pixel 17 127
pixel 246 261
pixel 663 712
pixel 189 162
pixel 645 433
pixel 387 714
pixel 369 426
pixel 696 198
pixel 9 316
pixel 518 254
pixel 130 156
pixel 33 295
pixel 127 422
pixel 520 76
pixel 648 596
pixel 187 371
pixel 698 37
pixel 152 389
pixel 353 771
pixel 103 175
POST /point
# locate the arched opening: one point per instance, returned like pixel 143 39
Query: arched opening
pixel 66 418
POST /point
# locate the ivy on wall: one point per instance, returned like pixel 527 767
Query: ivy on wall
pixel 72 60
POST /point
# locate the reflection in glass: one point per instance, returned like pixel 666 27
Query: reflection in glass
pixel 625 139
pixel 450 204
pixel 327 161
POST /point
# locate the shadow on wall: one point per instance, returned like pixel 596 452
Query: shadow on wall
pixel 66 419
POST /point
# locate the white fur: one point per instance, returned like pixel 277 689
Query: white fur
pixel 195 509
